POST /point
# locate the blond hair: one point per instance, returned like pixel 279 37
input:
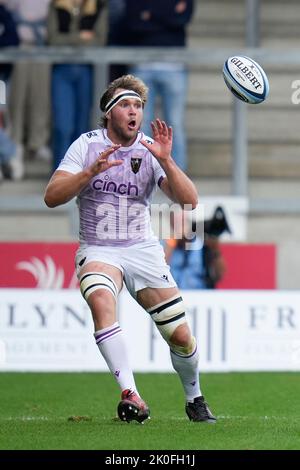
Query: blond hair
pixel 127 82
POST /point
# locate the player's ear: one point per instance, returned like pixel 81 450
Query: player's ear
pixel 108 116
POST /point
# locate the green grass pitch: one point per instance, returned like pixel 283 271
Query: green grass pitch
pixel 254 410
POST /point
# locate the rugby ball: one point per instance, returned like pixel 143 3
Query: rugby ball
pixel 246 79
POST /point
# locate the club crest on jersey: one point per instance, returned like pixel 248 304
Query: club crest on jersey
pixel 135 164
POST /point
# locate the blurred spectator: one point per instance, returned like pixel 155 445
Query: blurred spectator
pixel 8 36
pixel 72 23
pixel 7 151
pixel 116 34
pixel 29 102
pixel 196 263
pixel 187 266
pixel 159 23
pixel 184 254
pixel 213 261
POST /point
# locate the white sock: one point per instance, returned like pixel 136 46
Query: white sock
pixel 111 344
pixel 187 369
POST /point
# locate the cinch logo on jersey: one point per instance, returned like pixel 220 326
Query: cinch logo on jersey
pixel 112 187
pixel 247 72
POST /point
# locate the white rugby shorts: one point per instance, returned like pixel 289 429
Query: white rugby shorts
pixel 142 265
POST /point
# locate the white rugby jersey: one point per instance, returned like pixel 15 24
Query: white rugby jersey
pixel 114 207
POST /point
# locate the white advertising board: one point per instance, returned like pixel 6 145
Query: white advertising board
pixel 44 330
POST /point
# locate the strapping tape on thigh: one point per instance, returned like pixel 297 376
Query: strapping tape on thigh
pixel 89 282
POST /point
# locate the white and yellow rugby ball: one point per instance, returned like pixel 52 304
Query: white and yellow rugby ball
pixel 246 79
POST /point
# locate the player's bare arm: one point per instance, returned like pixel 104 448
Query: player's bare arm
pixel 63 186
pixel 177 186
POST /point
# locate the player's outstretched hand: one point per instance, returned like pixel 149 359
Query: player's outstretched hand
pixel 163 137
pixel 102 163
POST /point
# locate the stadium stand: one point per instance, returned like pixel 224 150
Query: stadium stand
pixel 273 140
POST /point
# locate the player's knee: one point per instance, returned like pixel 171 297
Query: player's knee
pixel 181 336
pixel 101 299
pixel 184 349
pixel 101 285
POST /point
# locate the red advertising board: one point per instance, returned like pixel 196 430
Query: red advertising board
pixel 51 266
pixel 41 265
pixel 249 266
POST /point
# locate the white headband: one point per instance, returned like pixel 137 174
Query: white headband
pixel 123 95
